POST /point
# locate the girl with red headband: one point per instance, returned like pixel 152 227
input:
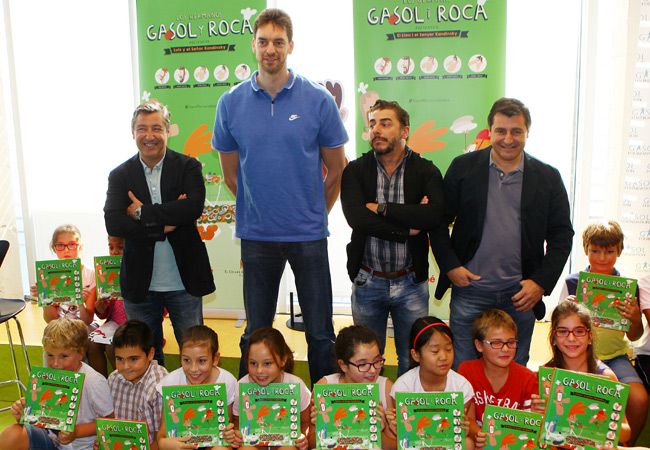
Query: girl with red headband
pixel 432 355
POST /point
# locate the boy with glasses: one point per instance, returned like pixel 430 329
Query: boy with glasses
pixel 496 378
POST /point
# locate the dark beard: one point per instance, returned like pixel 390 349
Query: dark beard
pixel 386 151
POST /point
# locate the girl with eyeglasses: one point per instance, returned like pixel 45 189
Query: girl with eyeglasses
pixel 359 360
pixel 496 378
pixel 572 346
pixel 66 244
pixel 432 355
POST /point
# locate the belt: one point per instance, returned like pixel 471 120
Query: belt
pixel 387 275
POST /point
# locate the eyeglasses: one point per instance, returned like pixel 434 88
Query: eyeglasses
pixel 577 332
pixel 70 246
pixel 365 367
pixel 498 345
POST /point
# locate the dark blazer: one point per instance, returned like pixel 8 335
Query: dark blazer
pixel 180 175
pixel 545 219
pixel 359 186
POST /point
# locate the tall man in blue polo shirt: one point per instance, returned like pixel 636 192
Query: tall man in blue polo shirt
pixel 273 133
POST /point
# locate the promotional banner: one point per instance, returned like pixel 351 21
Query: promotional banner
pixel 190 53
pixel 444 62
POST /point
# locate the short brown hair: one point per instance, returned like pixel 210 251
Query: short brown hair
pixel 492 319
pixel 603 234
pixel 149 107
pixel 400 112
pixel 509 107
pixel 278 18
pixel 200 334
pixel 66 333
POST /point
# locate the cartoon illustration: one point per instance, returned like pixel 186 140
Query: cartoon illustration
pixel 173 411
pixel 35 390
pixel 507 441
pixel 323 411
pixel 339 415
pixel 208 416
pixel 421 427
pixel 248 407
pixel 262 414
pixel 405 418
pixel 492 434
pixel 42 401
pixel 559 401
pixel 572 418
pixel 281 414
pixel 187 419
pixel 599 417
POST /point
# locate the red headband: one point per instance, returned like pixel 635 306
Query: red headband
pixel 426 328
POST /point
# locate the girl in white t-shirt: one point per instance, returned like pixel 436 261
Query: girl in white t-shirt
pixel 432 355
pixel 270 360
pixel 359 360
pixel 199 358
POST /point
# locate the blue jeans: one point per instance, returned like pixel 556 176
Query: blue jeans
pixel 185 310
pixel 468 302
pixel 264 264
pixel 373 298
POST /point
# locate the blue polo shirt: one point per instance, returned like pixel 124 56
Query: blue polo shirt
pixel 280 192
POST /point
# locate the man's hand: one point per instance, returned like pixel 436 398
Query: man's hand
pixel 135 204
pixel 528 296
pixel 462 277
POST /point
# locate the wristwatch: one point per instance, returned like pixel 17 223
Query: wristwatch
pixel 137 213
pixel 381 209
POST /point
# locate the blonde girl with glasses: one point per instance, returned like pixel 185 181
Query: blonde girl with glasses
pixel 359 360
pixel 571 342
pixel 66 244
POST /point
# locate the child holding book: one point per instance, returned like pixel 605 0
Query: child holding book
pixel 66 244
pixel 133 383
pixel 603 244
pixel 571 342
pixel 200 356
pixel 495 377
pixel 270 360
pixel 359 360
pixel 432 355
pixel 112 311
pixel 64 342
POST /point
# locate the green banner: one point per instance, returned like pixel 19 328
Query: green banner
pixel 442 60
pixel 190 53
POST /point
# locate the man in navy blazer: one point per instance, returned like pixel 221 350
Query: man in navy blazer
pixel 153 202
pixel 511 235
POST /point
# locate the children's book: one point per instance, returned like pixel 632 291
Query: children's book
pixel 430 420
pixel 200 411
pixel 122 434
pixel 53 398
pixel 59 281
pixel 584 411
pixel 545 378
pixel 104 334
pixel 269 415
pixel 346 416
pixel 107 277
pixel 601 293
pixel 511 428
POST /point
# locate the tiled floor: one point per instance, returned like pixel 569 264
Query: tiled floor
pixel 33 324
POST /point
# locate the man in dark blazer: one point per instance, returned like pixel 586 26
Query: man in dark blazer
pixel 153 201
pixel 511 233
pixel 391 197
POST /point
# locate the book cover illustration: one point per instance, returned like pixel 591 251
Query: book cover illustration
pixel 59 281
pixel 545 379
pixel 511 428
pixel 53 398
pixel 584 410
pixel 115 434
pixel 430 420
pixel 199 410
pixel 346 416
pixel 601 293
pixel 107 277
pixel 269 415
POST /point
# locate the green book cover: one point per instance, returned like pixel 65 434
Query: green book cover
pixel 115 434
pixel 601 293
pixel 53 398
pixel 269 415
pixel 584 410
pixel 511 428
pixel 346 416
pixel 107 277
pixel 199 410
pixel 59 281
pixel 430 420
pixel 545 378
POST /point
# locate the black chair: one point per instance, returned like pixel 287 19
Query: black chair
pixel 9 309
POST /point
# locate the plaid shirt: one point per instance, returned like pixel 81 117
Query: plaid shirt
pixel 382 255
pixel 138 401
